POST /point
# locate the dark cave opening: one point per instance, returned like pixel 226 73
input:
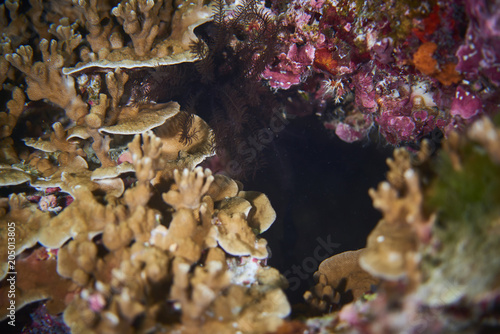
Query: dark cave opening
pixel 318 186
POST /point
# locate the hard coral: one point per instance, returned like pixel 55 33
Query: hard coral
pixel 180 246
pixel 340 280
pixel 391 251
pixel 138 259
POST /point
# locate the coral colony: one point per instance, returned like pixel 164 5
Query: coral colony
pixel 127 128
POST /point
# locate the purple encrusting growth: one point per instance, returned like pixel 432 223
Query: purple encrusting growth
pixel 45 323
pixel 363 70
pixel 479 54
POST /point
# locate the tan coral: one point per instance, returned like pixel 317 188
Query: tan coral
pixel 208 293
pixel 237 238
pixel 145 156
pixel 45 81
pixel 84 216
pixel 264 311
pixel 114 305
pixel 140 21
pixel 18 23
pixel 222 187
pixel 8 154
pixel 37 19
pixel 207 283
pixel 339 280
pixel 13 176
pixel 28 220
pixel 99 36
pixel 58 141
pixel 259 309
pixel 189 15
pixel 68 38
pixel 95 118
pixel 262 214
pixel 178 153
pixel 115 83
pixel 178 238
pixel 391 251
pixel 191 186
pixel 77 260
pixel 400 207
pixel 117 235
pixel 111 172
pixel 142 25
pixel 143 119
pixel 4 66
pixel 16 107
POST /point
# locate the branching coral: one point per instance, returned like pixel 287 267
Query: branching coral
pixel 15 106
pixel 44 79
pixel 137 261
pixel 340 280
pixel 180 246
pixel 110 101
pixel 192 186
pixel 140 21
pixel 392 246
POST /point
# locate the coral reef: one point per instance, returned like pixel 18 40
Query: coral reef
pixel 193 263
pixel 180 273
pixel 111 110
pixel 440 216
pixel 400 67
pixel 107 205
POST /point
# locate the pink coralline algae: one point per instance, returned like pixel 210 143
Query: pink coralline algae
pixel 291 67
pixel 480 51
pixel 352 132
pixel 466 104
pixel 404 79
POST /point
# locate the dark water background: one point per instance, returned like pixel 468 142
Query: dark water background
pixel 318 186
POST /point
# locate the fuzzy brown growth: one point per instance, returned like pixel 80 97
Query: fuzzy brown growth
pixel 234 50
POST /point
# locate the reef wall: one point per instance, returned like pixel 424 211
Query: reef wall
pixel 111 111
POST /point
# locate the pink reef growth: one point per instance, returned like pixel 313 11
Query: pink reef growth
pixel 362 61
pixel 42 322
pixel 51 199
pixel 291 67
pixel 466 104
pixel 479 54
pixel 49 203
